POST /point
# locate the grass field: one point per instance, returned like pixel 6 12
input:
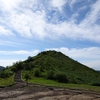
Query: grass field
pixel 46 82
pixel 7 81
pixel 52 83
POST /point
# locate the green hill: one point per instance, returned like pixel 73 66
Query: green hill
pixel 56 66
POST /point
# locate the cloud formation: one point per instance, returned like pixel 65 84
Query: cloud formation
pixel 58 3
pixel 15 56
pixel 31 19
pixel 23 22
pixel 88 56
pixel 7 62
pixel 20 52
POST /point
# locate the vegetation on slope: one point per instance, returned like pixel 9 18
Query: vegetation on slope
pixel 52 65
pixel 56 66
pixel 7 81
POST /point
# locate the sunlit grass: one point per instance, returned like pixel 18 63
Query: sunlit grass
pixel 46 82
pixel 7 81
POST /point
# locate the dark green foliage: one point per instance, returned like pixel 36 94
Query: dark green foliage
pixel 28 66
pixel 30 59
pixel 14 69
pixel 37 73
pixel 50 63
pixel 51 74
pixel 27 76
pixel 61 78
pixel 5 73
pixel 18 65
pixel 96 83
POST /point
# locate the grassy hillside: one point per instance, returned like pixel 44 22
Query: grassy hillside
pixel 56 66
pixel 52 65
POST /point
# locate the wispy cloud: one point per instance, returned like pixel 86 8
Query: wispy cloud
pixel 50 19
pixel 13 56
pixel 58 3
pixel 93 15
pixel 5 31
pixel 20 52
pixel 29 19
pixel 7 62
pixel 9 43
pixel 9 5
pixel 72 2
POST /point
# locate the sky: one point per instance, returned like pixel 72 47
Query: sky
pixel 28 27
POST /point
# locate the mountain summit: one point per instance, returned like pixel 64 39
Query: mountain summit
pixel 57 66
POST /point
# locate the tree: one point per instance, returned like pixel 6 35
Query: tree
pixel 37 73
pixel 62 78
pixel 29 59
pixel 18 65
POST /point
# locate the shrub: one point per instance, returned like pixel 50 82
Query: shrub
pixel 95 84
pixel 14 69
pixel 27 76
pixel 5 74
pixel 29 59
pixel 18 65
pixel 62 78
pixel 37 73
pixel 50 74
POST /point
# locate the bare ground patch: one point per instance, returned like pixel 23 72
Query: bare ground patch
pixel 45 93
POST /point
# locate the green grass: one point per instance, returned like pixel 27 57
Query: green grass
pixel 60 64
pixel 7 81
pixel 46 82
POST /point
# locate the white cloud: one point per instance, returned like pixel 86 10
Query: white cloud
pixel 95 64
pixel 88 56
pixel 92 16
pixel 9 4
pixel 6 62
pixel 74 31
pixel 20 52
pixel 5 31
pixel 80 31
pixel 58 3
pixel 25 21
pixel 28 20
pixel 9 43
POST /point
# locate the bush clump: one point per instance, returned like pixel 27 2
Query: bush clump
pixel 37 73
pixel 95 84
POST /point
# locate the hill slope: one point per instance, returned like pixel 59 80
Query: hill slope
pixel 55 65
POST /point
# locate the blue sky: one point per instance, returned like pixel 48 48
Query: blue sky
pixel 28 27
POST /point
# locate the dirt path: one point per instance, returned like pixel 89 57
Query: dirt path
pixel 44 93
pixel 35 92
